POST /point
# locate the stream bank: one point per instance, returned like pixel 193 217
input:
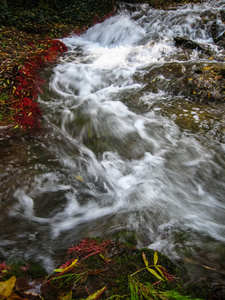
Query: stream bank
pixel 31 44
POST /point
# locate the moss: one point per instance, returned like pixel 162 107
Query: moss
pixel 198 289
pixel 129 238
pixel 117 266
pixel 20 268
pixel 35 270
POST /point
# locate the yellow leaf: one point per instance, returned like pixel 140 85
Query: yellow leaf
pixel 6 287
pixel 155 258
pixel 96 294
pixel 145 259
pixel 194 92
pixel 67 268
pixel 158 269
pixel 155 274
pixel 79 178
pixel 58 270
pixel 211 58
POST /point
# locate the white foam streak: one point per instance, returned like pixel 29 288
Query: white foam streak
pixel 119 31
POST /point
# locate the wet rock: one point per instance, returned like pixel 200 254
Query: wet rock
pixel 126 237
pixel 198 94
pixel 218 34
pixel 207 84
pixel 220 40
pixel 214 30
pixel 182 41
pixel 200 82
pixel 189 44
pixel 222 13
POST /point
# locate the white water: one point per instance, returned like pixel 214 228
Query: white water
pixel 104 166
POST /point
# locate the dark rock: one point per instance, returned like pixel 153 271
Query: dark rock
pixel 220 40
pixel 217 35
pixel 189 44
pixel 222 13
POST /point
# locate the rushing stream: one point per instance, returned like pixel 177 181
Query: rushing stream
pixel 108 161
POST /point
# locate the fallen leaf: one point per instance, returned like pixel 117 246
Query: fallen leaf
pixel 67 268
pixel 6 287
pixel 79 178
pixel 96 294
pixel 155 274
pixel 155 258
pixel 145 259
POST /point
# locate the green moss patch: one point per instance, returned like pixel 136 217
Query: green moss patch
pixel 114 271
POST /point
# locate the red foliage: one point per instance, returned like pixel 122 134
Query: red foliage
pixel 69 262
pixel 25 268
pixel 3 267
pixel 168 276
pixel 28 84
pixel 88 247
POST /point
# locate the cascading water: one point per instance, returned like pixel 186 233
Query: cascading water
pixel 107 159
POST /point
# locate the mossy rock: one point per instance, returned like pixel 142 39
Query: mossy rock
pixel 106 269
pixel 129 238
pixel 20 268
pixel 116 271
